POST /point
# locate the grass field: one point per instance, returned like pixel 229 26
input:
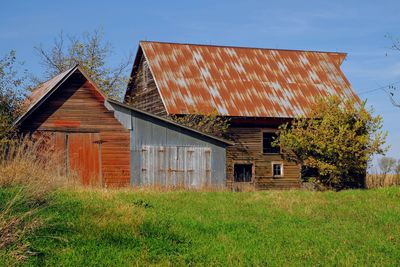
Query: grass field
pixel 129 228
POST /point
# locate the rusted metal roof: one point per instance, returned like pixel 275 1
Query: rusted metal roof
pixel 44 88
pixel 239 81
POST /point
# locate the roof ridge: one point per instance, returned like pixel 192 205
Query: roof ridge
pixel 55 76
pixel 246 47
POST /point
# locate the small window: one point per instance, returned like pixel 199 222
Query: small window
pixel 268 138
pixel 277 169
pixel 243 172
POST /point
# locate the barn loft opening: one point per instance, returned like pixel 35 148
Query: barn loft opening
pixel 268 148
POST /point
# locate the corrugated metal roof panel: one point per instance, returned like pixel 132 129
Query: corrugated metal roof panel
pixel 238 81
pixel 44 88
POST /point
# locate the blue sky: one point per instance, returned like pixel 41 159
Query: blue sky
pixel 355 27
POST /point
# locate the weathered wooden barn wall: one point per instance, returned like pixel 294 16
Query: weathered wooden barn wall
pixel 92 137
pixel 248 149
pixel 149 133
pixel 143 89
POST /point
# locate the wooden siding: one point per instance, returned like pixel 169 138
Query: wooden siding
pixel 76 107
pixel 248 149
pixel 144 94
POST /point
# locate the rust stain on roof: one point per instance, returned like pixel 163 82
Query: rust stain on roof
pixel 43 89
pixel 238 81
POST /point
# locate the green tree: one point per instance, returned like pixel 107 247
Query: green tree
pixel 209 123
pixel 335 140
pixel 91 52
pixel 13 84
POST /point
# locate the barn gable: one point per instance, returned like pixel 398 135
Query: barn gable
pixel 48 88
pixel 142 90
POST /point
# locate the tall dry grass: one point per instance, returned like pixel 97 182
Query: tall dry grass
pixel 30 170
pixel 31 162
pixel 382 180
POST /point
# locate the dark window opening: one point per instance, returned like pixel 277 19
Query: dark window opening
pixel 268 138
pixel 277 169
pixel 243 172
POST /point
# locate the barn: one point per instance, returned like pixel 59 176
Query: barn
pixel 258 89
pixel 111 144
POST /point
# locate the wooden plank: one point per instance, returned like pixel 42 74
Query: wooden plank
pixel 248 149
pixel 144 94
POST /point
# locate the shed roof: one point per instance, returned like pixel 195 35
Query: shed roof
pixel 170 122
pixel 240 81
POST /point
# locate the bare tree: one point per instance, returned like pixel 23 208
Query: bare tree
pixel 91 52
pixel 397 168
pixel 387 165
pixel 392 91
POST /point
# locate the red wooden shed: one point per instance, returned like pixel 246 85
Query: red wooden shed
pixel 70 109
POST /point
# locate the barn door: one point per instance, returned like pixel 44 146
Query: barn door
pixel 176 166
pixel 83 156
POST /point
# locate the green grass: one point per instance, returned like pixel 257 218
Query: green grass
pixel 296 228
